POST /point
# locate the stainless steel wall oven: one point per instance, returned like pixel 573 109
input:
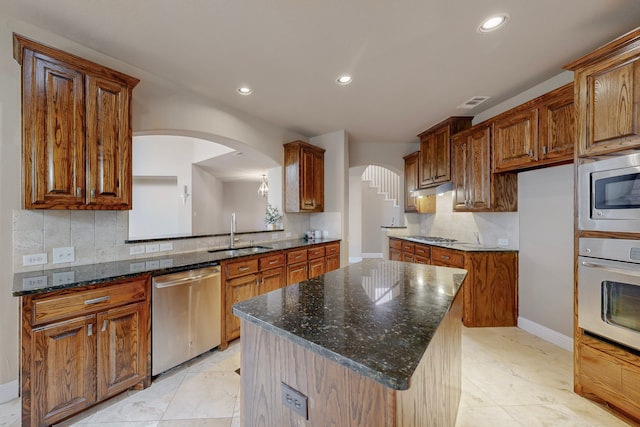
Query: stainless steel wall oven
pixel 609 289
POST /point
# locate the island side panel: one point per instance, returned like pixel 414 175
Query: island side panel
pixel 433 397
pixel 336 395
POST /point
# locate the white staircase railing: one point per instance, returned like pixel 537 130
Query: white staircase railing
pixel 387 182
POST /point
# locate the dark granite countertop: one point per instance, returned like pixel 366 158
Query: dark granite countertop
pixel 458 246
pixel 41 281
pixel 376 317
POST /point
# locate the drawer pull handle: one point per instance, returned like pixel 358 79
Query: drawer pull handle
pixel 97 300
pixel 90 331
pixel 257 282
pixel 104 325
pixel 243 268
pixel 273 261
pixel 445 257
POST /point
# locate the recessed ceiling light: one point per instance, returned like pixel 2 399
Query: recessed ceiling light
pixel 244 90
pixel 493 23
pixel 344 80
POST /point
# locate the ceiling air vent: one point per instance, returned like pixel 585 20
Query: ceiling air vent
pixel 473 102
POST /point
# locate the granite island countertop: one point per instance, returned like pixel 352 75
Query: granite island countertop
pixel 47 280
pixel 375 317
pixel 456 245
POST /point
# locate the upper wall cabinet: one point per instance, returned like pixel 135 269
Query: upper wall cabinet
pixel 411 165
pixel 435 151
pixel 607 96
pixel 304 177
pixel 537 133
pixel 76 131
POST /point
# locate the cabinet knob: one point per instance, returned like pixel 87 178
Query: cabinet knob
pixel 105 322
pixel 257 282
pixel 90 331
pixel 93 193
pixel 78 192
pixel 530 153
pixel 544 149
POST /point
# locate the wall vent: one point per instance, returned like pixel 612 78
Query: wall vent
pixel 473 102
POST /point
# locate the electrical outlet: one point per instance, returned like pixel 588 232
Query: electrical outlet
pixel 34 259
pixel 152 265
pixel 325 233
pixel 64 278
pixel 136 250
pixel 152 248
pixel 166 246
pixel 287 234
pixel 503 242
pixel 34 282
pixel 63 255
pixel 294 400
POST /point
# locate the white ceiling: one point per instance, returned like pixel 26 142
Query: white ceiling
pixel 413 61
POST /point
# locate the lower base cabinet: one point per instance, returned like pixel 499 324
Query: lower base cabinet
pixel 490 290
pixel 82 346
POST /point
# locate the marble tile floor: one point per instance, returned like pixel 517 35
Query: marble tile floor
pixel 510 378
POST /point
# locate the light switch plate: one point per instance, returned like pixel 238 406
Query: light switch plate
pixel 503 242
pixel 136 250
pixel 166 246
pixel 66 254
pixel 152 248
pixel 34 259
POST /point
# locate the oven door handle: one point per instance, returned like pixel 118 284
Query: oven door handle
pixel 616 269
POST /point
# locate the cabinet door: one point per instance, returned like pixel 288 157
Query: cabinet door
pixel 395 255
pixel 410 180
pixel 557 126
pixel 238 289
pixel 607 100
pixel 53 133
pixel 312 177
pixel 108 143
pixel 332 262
pixel 316 267
pixel 297 273
pixel 272 279
pixel 63 370
pixel 441 159
pixel 426 172
pixel 121 342
pixel 460 173
pixel 515 140
pixel 479 169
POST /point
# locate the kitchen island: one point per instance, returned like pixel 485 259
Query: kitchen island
pixel 376 343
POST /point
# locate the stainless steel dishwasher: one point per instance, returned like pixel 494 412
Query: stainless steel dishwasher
pixel 186 317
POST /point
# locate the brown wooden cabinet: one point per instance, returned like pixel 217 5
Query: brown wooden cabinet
pixel 475 188
pixel 435 151
pixel 332 257
pixel 537 133
pixel 304 177
pixel 411 177
pixel 76 122
pixel 81 346
pixel 246 278
pixel 490 290
pixel 607 95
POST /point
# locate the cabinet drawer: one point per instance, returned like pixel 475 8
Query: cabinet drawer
pixel 296 256
pixel 408 247
pixel 447 257
pixel 332 249
pixel 315 252
pixel 422 251
pixel 271 261
pixel 395 244
pixel 240 268
pixel 52 308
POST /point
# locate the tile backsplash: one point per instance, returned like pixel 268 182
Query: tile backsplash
pixel 99 236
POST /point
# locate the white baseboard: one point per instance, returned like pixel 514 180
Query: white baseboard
pixel 546 334
pixel 8 391
pixel 354 259
pixel 372 255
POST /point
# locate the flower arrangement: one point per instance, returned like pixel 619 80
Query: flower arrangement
pixel 272 215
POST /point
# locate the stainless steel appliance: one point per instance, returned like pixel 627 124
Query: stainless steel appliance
pixel 186 316
pixel 609 289
pixel 609 194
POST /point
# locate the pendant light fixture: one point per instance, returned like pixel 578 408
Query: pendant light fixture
pixel 263 190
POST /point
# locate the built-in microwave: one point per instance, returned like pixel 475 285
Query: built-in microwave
pixel 609 194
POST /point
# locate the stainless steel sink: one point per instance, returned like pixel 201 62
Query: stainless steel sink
pixel 242 251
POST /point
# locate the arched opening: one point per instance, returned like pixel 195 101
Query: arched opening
pixel 186 185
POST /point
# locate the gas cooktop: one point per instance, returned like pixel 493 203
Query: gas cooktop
pixel 432 239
